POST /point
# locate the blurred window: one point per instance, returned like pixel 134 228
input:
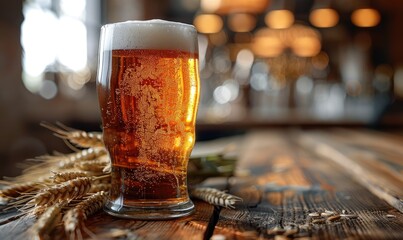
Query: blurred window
pixel 54 37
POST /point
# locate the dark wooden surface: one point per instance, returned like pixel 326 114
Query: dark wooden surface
pixel 282 177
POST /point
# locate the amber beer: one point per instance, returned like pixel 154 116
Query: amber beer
pixel 148 88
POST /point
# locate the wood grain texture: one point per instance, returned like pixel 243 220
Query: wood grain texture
pixel 367 156
pixel 283 179
pixel 294 182
pixel 190 227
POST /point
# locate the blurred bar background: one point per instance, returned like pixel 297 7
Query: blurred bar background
pixel 263 63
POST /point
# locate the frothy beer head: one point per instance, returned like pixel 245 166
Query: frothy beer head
pixel 151 34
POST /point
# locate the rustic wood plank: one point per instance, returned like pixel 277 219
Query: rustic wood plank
pixel 387 147
pixel 364 164
pixel 291 183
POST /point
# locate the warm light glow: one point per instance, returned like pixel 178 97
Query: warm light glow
pixel 230 6
pixel 324 17
pixel 267 44
pixel 210 5
pixel 241 22
pixel 208 23
pixel 365 17
pixel 304 41
pixel 306 46
pixel 279 19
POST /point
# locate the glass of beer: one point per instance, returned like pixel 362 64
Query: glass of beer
pixel 148 90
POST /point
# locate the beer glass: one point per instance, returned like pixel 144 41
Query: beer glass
pixel 148 91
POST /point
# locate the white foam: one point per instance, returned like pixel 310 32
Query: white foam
pixel 151 34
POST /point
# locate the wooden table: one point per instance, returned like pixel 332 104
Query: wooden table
pixel 285 178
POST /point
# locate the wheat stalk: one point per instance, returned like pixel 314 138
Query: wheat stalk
pixel 216 197
pixel 76 137
pixel 64 191
pixel 47 221
pixel 80 155
pixel 38 210
pixel 104 178
pixel 75 216
pixel 96 165
pixel 60 177
pixel 58 161
pixel 16 190
pixel 68 160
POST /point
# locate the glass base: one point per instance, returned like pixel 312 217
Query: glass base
pixel 149 213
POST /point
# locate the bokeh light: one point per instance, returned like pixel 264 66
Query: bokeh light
pixel 366 17
pixel 266 43
pixel 279 19
pixel 324 17
pixel 208 23
pixel 241 22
